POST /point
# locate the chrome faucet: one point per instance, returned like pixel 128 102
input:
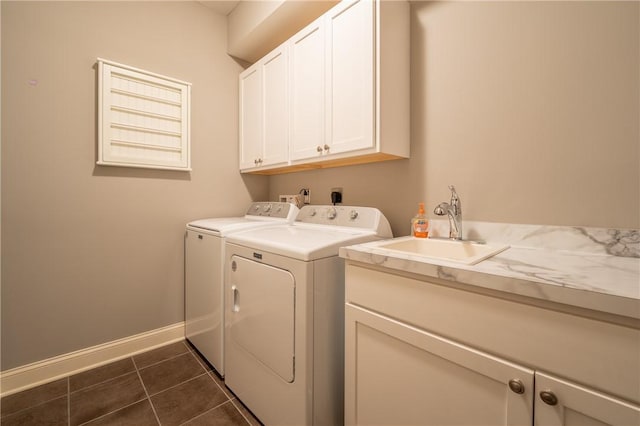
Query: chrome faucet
pixel 453 210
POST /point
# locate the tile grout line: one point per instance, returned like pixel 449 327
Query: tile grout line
pixel 208 411
pixel 163 360
pixel 96 384
pixel 239 410
pixel 135 366
pixel 111 412
pixel 145 391
pixel 179 384
pixel 38 404
pixel 230 399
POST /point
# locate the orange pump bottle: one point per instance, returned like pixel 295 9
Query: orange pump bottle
pixel 420 223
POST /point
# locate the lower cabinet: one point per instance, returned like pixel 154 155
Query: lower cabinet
pixel 402 373
pixel 564 403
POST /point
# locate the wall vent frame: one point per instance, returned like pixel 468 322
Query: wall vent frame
pixel 144 119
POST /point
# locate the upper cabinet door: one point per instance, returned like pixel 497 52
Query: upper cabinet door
pixel 561 403
pixel 306 51
pixel 250 117
pixel 350 46
pixel 275 107
pixel 346 79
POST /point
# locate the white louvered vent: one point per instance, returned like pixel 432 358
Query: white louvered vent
pixel 144 119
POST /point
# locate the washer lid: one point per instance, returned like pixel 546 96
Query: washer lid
pixel 225 225
pixel 302 241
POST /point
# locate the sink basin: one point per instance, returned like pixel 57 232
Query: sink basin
pixel 466 252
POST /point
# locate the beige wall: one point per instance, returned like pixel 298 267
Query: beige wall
pixel 531 109
pixel 257 27
pixel 91 254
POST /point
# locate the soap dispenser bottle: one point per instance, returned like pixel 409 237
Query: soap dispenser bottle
pixel 420 223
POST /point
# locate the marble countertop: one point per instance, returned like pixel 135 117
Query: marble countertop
pixel 592 268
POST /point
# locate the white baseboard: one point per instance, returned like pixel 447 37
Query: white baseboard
pixel 40 372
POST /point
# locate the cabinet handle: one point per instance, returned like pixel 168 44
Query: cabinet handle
pixel 516 386
pixel 548 397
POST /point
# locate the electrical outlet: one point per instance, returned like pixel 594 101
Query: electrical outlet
pixel 336 195
pixel 306 194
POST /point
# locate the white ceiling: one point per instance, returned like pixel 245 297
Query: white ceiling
pixel 223 7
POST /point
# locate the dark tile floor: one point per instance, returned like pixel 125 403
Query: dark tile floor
pixel 170 385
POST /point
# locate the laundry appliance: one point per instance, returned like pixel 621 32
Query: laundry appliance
pixel 284 313
pixel 204 273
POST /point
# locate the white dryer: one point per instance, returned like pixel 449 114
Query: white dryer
pixel 284 313
pixel 204 273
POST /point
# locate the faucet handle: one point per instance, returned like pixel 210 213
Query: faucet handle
pixel 454 194
pixel 455 201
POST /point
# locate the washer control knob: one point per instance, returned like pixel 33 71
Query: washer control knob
pixel 312 212
pixel 267 208
pixel 353 214
pixel 331 213
pixel 256 208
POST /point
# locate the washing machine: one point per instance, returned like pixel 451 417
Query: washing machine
pixel 284 313
pixel 204 273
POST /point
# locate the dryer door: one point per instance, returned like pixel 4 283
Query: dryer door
pixel 262 314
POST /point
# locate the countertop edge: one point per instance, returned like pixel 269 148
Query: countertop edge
pixel 617 305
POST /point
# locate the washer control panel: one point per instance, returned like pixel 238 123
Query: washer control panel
pixel 272 209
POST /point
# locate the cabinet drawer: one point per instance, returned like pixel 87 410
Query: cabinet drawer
pixel 592 352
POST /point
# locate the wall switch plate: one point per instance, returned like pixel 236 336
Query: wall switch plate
pixel 293 199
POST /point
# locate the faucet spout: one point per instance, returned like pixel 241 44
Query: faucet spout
pixel 453 210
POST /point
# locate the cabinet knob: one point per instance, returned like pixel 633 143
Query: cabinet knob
pixel 548 397
pixel 326 147
pixel 516 386
pixel 319 148
pixel 255 161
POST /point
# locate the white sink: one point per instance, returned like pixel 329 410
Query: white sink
pixel 466 252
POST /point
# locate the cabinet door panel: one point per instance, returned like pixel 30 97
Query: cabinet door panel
pixel 579 406
pixel 306 50
pixel 400 375
pixel 349 79
pixel 275 77
pixel 250 117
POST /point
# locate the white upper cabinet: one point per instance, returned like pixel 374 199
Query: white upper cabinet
pixel 307 91
pixel 275 107
pixel 250 117
pixel 349 77
pixel 264 133
pixel 348 85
